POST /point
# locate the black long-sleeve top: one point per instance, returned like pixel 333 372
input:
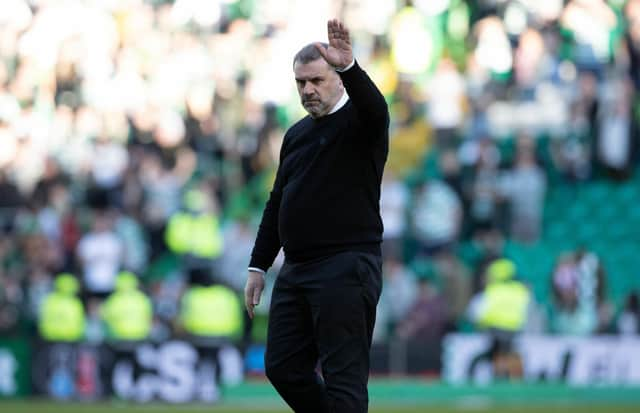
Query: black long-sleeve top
pixel 326 195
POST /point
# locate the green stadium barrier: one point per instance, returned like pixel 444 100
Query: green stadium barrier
pixel 15 356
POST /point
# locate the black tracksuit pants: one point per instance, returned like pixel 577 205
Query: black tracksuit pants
pixel 324 311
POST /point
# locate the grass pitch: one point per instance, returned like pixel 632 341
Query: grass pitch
pixel 47 407
pixel 387 396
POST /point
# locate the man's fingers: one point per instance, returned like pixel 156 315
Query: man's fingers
pixel 249 305
pixel 332 25
pixel 322 50
pixel 248 299
pixel 257 292
pixel 247 295
pixel 336 29
pixel 338 34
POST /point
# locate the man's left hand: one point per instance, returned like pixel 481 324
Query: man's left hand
pixel 339 53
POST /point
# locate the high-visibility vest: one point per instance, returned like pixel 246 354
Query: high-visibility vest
pixel 61 318
pixel 505 306
pixel 128 315
pixel 195 234
pixel 213 311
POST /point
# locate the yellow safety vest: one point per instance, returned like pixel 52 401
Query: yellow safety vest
pixel 128 315
pixel 213 311
pixel 505 306
pixel 198 235
pixel 61 318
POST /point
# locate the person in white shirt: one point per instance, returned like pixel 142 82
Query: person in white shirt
pixel 100 252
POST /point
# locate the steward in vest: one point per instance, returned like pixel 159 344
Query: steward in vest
pixel 62 317
pixel 194 231
pixel 506 301
pixel 501 309
pixel 211 310
pixel 127 312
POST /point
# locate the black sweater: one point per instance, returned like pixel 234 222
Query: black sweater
pixel 326 196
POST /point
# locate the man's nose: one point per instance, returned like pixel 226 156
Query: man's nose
pixel 308 88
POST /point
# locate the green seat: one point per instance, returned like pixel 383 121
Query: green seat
pixel 578 212
pixel 629 193
pixel 596 192
pixel 586 232
pixel 607 212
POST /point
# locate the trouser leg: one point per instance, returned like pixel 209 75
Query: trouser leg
pixel 343 307
pixel 291 354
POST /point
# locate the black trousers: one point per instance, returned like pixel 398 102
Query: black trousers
pixel 324 311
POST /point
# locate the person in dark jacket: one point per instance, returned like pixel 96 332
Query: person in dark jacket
pixel 324 212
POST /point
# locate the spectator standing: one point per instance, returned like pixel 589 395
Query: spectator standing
pixel 394 197
pixel 435 216
pixel 238 242
pixel 11 303
pixel 427 318
pixel 525 188
pixel 482 158
pixel 628 322
pixel 454 281
pixel 579 306
pixel 10 200
pixel 446 95
pixel 615 137
pixel 397 298
pixel 100 253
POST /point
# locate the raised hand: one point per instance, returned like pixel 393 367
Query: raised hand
pixel 339 53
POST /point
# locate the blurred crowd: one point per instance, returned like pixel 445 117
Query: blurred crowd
pixel 140 137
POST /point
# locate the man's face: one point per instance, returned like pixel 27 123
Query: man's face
pixel 319 86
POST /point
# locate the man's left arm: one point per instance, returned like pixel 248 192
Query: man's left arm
pixel 364 94
pixel 366 97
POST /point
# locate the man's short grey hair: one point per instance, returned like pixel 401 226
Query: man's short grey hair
pixel 309 53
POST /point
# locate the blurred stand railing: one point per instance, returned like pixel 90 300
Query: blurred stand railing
pixel 187 370
pixel 175 371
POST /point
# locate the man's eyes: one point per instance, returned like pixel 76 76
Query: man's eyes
pixel 313 81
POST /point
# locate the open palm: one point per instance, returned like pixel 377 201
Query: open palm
pixel 339 53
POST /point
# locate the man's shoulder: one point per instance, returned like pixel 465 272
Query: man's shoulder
pixel 299 126
pixel 297 129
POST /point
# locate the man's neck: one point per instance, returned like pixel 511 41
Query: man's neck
pixel 340 103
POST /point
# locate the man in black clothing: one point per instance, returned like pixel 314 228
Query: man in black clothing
pixel 324 212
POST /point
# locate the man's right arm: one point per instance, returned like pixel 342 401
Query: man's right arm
pixel 266 246
pixel 267 243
